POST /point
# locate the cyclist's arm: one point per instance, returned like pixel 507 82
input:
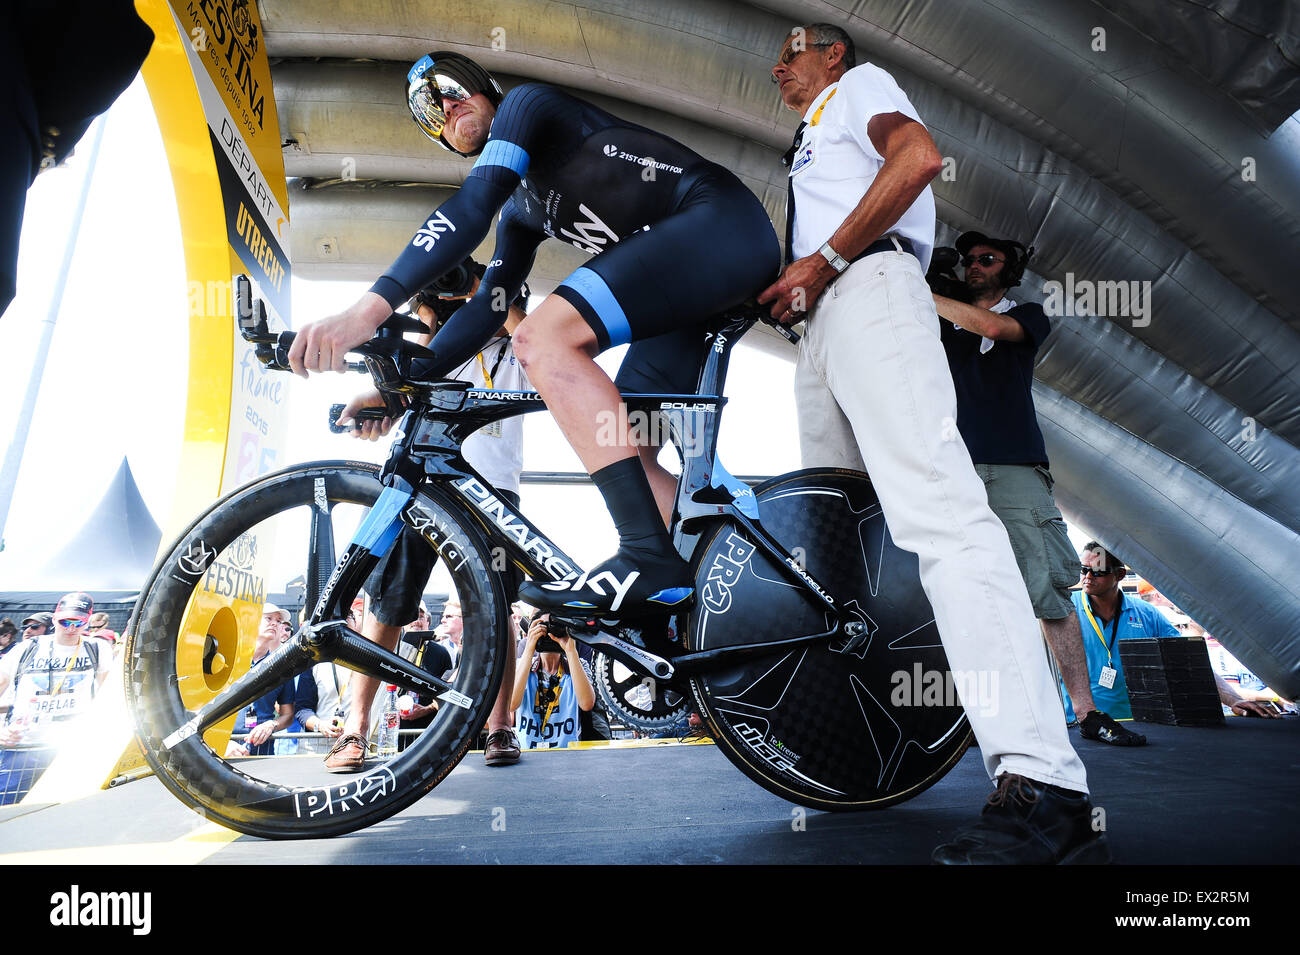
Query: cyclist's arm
pixel 470 327
pixel 447 237
pixel 526 117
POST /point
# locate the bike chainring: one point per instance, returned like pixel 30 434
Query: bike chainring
pixel 640 702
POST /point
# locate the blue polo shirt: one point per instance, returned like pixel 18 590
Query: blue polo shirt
pixel 1136 618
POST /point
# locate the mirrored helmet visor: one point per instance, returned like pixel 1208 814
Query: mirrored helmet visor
pixel 425 97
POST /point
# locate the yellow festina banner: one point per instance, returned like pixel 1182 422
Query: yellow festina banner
pixel 210 83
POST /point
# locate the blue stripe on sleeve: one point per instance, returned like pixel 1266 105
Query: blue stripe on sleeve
pixel 498 152
pixel 593 288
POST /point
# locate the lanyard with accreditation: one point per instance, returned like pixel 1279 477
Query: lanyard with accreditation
pixel 1108 672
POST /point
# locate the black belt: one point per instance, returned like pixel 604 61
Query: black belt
pixel 885 245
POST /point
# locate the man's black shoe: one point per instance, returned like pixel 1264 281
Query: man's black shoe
pixel 1029 823
pixel 1097 725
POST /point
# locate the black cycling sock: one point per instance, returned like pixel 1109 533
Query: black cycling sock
pixel 646 569
pixel 631 503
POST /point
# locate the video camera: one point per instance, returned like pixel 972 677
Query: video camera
pixel 942 275
pixel 449 291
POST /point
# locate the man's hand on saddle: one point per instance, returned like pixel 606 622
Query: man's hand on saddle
pixel 321 346
pixel 368 428
pixel 797 290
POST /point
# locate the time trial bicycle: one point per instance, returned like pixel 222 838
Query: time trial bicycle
pixel 803 649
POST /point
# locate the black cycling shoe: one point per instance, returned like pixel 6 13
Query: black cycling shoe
pixel 1029 823
pixel 621 585
pixel 1097 725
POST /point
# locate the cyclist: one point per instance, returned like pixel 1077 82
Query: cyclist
pixel 676 238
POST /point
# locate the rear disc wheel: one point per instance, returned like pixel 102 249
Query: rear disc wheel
pixel 819 725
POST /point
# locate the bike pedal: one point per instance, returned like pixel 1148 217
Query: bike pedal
pixel 578 623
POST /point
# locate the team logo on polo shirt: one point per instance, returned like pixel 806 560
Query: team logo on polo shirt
pixel 802 157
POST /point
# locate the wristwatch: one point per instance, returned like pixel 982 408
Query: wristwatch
pixel 837 261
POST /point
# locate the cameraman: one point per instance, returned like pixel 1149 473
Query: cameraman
pixel 550 691
pixel 991 343
pixel 496 452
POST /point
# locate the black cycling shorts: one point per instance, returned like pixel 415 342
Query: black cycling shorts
pixel 715 251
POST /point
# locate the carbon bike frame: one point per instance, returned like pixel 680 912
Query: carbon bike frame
pixel 425 462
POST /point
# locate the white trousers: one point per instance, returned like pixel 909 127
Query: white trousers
pixel 874 393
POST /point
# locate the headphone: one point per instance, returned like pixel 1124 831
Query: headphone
pixel 1014 270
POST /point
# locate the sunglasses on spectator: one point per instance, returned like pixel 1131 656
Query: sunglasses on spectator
pixel 72 624
pixel 34 626
pixel 1085 571
pixel 987 259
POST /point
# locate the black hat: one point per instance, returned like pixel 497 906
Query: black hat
pixel 1016 253
pixel 44 619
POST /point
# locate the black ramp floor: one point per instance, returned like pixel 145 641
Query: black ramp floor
pixel 1194 796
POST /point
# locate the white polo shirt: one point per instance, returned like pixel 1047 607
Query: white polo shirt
pixel 497 451
pixel 836 162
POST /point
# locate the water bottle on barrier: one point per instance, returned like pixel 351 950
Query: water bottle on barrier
pixel 389 722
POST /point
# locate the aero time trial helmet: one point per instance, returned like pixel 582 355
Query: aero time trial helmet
pixel 443 74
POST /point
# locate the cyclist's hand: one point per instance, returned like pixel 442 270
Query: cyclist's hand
pixel 321 346
pixel 369 429
pixel 797 290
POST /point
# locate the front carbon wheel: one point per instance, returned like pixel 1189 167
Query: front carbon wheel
pixel 193 633
pixel 826 725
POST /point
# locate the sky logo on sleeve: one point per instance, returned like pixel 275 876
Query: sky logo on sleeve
pixel 430 232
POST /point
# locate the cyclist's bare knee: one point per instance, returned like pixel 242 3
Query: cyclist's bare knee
pixel 551 332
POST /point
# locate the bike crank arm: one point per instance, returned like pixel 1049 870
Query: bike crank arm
pixel 334 641
pixel 630 655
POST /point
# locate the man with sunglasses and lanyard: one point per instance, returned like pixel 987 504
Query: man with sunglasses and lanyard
pixel 675 239
pixel 55 678
pixel 1106 616
pixel 874 393
pixel 991 344
pixel 397 581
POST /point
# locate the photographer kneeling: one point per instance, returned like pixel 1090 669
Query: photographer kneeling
pixel 549 693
